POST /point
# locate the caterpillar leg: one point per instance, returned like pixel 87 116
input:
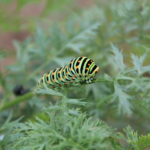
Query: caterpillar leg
pixel 88 81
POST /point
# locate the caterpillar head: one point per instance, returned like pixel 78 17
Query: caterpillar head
pixel 97 70
pixel 94 69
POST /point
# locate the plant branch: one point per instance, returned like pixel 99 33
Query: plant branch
pixel 97 81
pixel 29 95
pixel 16 101
pixel 64 108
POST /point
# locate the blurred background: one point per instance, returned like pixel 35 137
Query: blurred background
pixel 36 36
pixel 19 19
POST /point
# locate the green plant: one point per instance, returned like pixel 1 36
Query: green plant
pixel 119 98
pixel 65 128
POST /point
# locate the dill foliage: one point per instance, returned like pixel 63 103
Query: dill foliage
pixel 72 119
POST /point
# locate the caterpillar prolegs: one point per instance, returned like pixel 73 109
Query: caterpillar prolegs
pixel 80 69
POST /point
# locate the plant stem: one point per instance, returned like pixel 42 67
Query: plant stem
pixel 65 109
pixel 97 81
pixel 64 102
pixel 16 101
pixel 29 95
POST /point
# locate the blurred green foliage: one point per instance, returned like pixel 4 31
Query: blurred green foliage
pixel 121 101
pixel 12 20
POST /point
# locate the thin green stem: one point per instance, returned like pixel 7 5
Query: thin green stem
pixel 97 81
pixel 64 102
pixel 65 109
pixel 16 101
pixel 29 95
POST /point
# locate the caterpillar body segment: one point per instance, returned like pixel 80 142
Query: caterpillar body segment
pixel 80 69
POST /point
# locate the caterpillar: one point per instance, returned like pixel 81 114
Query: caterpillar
pixel 80 69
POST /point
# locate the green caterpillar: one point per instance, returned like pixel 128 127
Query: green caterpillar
pixel 80 69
